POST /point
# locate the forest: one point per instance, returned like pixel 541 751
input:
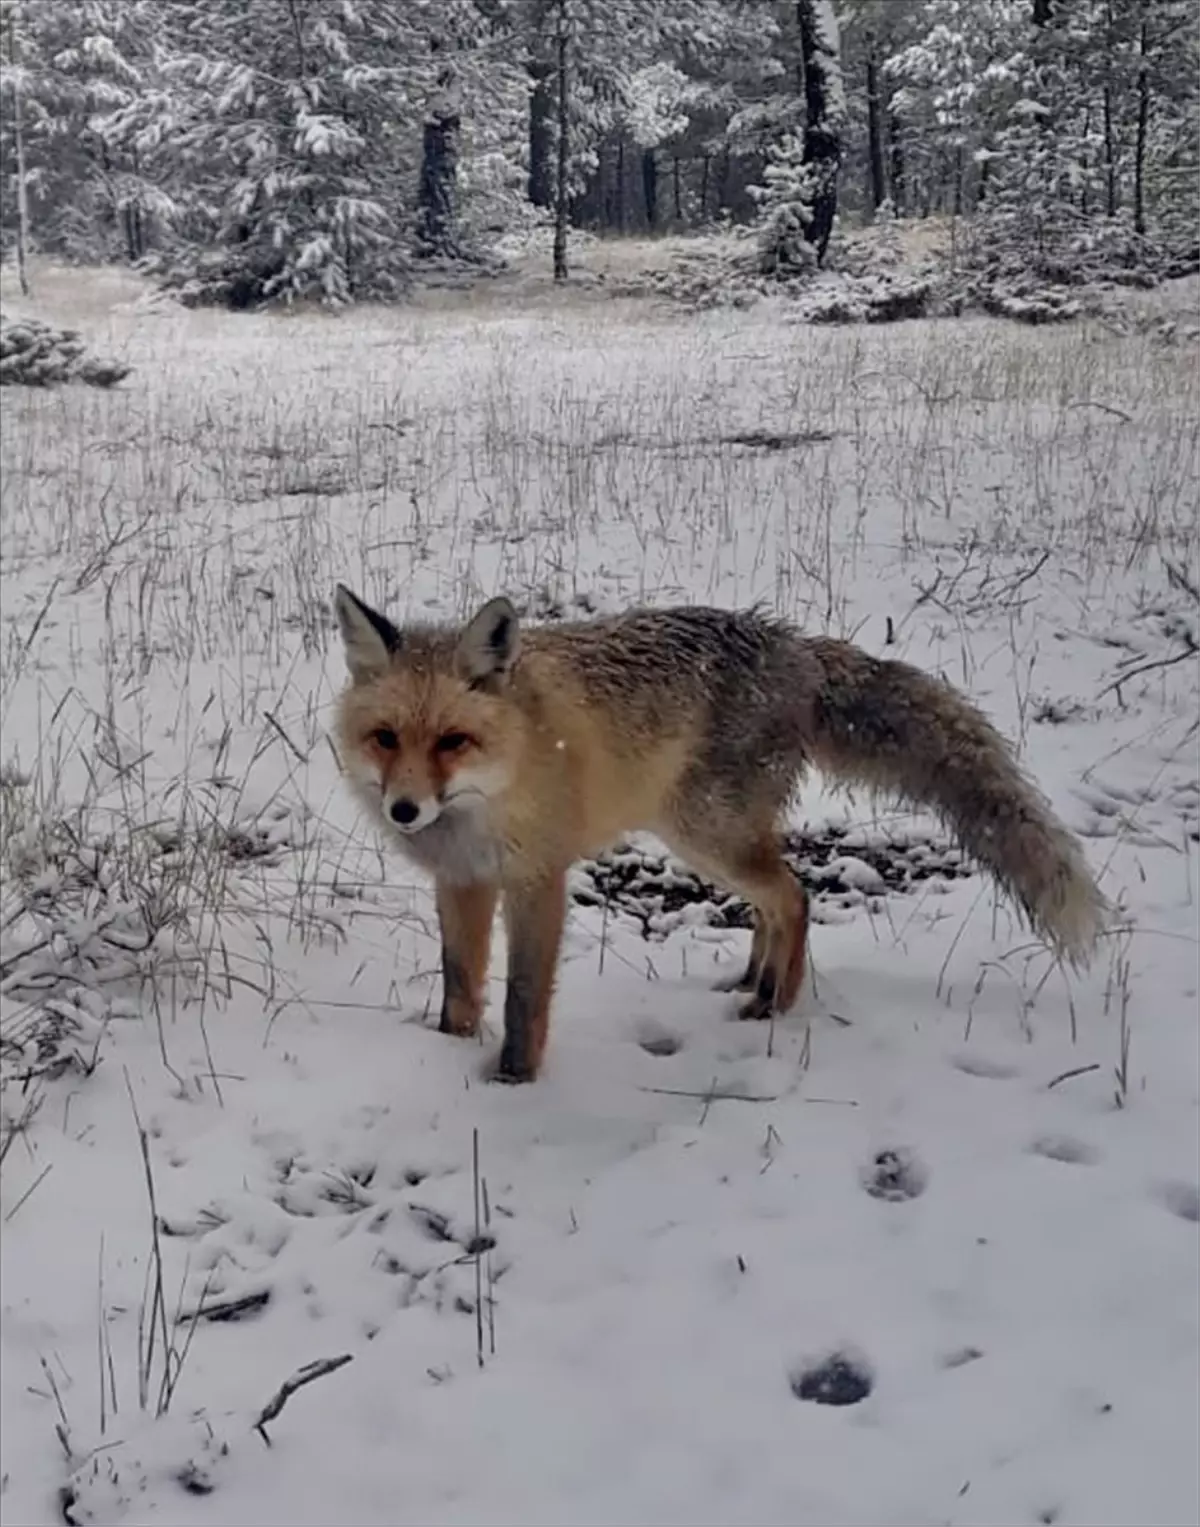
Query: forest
pixel 251 150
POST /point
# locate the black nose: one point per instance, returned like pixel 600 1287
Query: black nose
pixel 405 812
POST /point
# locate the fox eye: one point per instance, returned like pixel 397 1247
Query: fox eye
pixel 385 738
pixel 452 742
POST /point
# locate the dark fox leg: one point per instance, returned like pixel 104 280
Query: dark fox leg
pixel 465 913
pixel 534 915
pixel 748 980
pixel 754 866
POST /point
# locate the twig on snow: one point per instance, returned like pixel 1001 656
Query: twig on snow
pixel 1177 574
pixel 714 1096
pixel 1136 672
pixel 29 1191
pixel 1066 1076
pixel 314 1370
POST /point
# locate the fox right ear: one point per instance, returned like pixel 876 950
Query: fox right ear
pixel 370 638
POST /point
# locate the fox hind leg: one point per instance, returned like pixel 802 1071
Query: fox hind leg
pixel 748 980
pixel 782 969
pixel 754 867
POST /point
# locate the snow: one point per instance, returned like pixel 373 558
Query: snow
pixel 956 1174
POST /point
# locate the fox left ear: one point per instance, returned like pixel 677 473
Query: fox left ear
pixel 488 647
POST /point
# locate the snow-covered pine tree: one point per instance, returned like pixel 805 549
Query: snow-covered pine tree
pixel 785 201
pixel 954 82
pixel 1070 128
pixel 825 113
pixel 797 199
pixel 298 137
pixel 1094 168
pixel 474 101
pixel 629 67
pixel 72 66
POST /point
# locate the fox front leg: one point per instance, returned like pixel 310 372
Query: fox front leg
pixel 534 915
pixel 465 913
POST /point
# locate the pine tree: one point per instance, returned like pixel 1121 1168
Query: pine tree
pixel 786 201
pixel 70 68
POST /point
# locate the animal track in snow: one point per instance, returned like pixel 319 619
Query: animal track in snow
pixel 843 1377
pixel 1065 1148
pixel 328 1232
pixel 979 1065
pixel 1148 814
pixel 895 1175
pixel 659 1042
pixel 960 1357
pixel 1181 1198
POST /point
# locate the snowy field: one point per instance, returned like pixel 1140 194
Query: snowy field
pixel 957 1187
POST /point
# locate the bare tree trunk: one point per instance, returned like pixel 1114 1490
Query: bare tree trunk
pixel 541 134
pixel 437 190
pixel 131 218
pixel 19 147
pixel 135 223
pixel 899 181
pixel 704 188
pixel 1143 128
pixel 561 209
pixel 1112 195
pixel 822 96
pixel 678 190
pixel 650 187
pixel 1085 186
pixel 619 195
pixel 875 127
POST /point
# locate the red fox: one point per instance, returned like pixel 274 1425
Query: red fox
pixel 496 758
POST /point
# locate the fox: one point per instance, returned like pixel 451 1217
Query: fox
pixel 495 757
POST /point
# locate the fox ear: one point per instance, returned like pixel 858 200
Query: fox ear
pixel 370 638
pixel 488 647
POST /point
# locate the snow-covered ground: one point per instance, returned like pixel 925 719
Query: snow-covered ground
pixel 956 1177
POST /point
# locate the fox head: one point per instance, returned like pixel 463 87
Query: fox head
pixel 427 738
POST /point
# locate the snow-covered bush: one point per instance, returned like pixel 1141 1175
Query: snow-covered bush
pixel 36 354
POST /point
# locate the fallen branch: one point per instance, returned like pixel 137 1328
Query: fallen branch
pixel 302 1376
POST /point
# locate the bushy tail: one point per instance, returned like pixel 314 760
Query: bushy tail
pixel 888 726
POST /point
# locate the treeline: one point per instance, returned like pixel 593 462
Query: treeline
pixel 323 147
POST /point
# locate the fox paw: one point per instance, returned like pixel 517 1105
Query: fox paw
pixel 758 1009
pixel 511 1070
pixel 747 981
pixel 462 1024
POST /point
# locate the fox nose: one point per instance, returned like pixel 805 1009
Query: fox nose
pixel 405 812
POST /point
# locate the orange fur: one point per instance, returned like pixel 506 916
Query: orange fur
pixel 500 758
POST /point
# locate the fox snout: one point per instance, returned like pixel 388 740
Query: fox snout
pixel 411 815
